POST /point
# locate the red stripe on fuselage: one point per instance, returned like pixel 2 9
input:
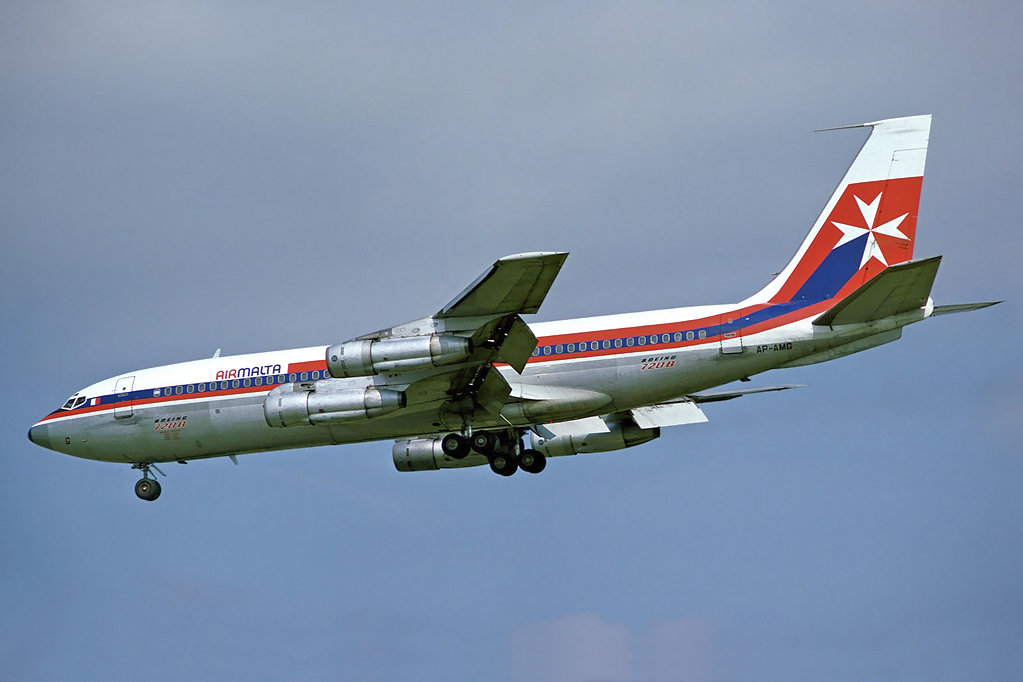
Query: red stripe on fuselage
pixel 311 366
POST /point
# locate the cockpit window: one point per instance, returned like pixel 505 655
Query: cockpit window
pixel 73 402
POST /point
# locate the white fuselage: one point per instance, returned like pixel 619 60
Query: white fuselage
pixel 215 407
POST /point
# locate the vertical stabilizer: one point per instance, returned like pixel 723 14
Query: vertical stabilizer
pixel 869 222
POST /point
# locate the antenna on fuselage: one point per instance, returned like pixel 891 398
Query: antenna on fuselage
pixel 217 354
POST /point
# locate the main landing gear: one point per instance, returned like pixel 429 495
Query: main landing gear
pixel 504 451
pixel 147 488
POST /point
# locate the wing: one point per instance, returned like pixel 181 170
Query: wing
pixel 487 313
pixel 514 285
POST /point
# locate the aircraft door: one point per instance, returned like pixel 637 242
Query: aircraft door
pixel 122 391
pixel 731 333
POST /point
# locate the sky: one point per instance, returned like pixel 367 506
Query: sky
pixel 177 177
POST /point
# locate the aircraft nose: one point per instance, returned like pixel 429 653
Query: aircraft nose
pixel 40 435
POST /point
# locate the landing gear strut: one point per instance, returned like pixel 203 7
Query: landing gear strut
pixel 147 488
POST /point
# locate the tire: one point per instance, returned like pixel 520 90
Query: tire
pixel 454 446
pixel 504 464
pixel 484 442
pixel 532 461
pixel 147 489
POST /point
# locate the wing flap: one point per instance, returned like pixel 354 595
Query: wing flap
pixel 668 414
pixel 898 289
pixel 576 427
pixel 519 342
pixel 492 392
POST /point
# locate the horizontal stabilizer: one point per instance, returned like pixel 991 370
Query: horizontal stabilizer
pixel 962 307
pixel 897 289
pixel 513 284
pixel 718 396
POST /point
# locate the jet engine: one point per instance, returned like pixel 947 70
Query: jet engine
pixel 624 434
pixel 363 358
pixel 425 454
pixel 295 405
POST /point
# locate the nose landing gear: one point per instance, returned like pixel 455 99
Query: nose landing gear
pixel 147 488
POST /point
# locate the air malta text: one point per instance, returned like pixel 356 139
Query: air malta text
pixel 243 372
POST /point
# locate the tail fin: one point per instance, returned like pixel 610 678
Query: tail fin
pixel 869 223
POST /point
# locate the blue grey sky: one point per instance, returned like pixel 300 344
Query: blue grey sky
pixel 179 177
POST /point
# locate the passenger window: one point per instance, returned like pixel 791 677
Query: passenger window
pixel 642 340
pixel 689 336
pixel 594 345
pixel 606 344
pixel 665 338
pixel 202 388
pixel 559 349
pixel 179 389
pixel 235 384
pixel 546 350
pixel 630 341
pixel 258 381
pixel 678 336
pixel 618 343
pixel 305 375
pixel 190 388
pixel 536 351
pixel 247 382
pixel 703 333
pixel 292 377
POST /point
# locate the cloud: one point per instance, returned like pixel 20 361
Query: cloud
pixel 583 647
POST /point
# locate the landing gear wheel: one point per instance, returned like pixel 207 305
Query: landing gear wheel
pixel 532 461
pixel 503 463
pixel 484 442
pixel 147 489
pixel 454 446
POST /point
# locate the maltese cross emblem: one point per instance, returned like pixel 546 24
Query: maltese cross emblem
pixel 869 212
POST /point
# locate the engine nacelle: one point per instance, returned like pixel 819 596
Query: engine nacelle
pixel 363 358
pixel 425 454
pixel 622 435
pixel 294 405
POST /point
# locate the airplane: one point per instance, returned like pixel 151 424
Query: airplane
pixel 468 385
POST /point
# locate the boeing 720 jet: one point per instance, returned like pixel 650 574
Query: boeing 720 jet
pixel 474 384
